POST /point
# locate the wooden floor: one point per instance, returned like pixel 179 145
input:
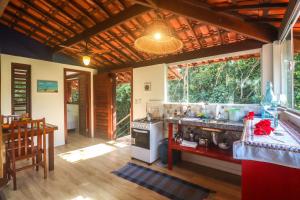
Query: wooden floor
pixel 85 174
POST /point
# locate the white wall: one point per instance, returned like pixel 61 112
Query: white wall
pixel 156 76
pixel 48 105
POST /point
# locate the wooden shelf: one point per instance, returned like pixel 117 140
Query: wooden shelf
pixel 211 152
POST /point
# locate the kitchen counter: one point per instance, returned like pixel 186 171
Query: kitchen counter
pixel 270 164
pixel 207 123
pixel 282 148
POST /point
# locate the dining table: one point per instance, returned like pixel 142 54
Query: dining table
pixel 49 129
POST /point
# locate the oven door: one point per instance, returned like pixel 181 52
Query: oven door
pixel 140 138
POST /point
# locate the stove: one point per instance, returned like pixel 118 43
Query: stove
pixel 145 139
pixel 144 123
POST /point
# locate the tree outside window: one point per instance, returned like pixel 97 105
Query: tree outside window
pixel 233 81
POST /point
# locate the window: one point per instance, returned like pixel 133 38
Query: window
pixel 287 73
pixel 20 89
pixel 297 82
pixel 231 81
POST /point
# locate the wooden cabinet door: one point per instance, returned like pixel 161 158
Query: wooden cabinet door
pixel 104 92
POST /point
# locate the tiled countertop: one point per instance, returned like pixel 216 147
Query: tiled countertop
pixel 207 123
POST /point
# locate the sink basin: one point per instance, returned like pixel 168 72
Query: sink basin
pixel 212 121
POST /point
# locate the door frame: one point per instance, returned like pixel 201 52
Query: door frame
pixel 129 69
pixel 88 102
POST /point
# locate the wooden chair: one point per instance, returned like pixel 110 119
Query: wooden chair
pixel 6 120
pixel 21 146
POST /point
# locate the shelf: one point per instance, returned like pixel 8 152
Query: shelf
pixel 211 152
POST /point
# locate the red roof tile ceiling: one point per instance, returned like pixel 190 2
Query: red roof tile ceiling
pixel 55 21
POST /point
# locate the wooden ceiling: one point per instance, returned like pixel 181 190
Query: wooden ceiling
pixel 205 27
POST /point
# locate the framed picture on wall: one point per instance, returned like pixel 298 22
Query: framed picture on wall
pixel 47 86
pixel 147 86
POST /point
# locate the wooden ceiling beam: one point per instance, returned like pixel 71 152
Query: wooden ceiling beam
pixel 33 27
pixel 82 11
pixel 63 12
pixel 101 7
pixel 113 48
pixel 39 21
pixel 201 53
pixel 263 20
pixel 193 33
pixel 27 30
pixel 47 16
pixel 128 47
pixel 3 5
pixel 261 32
pixel 131 12
pixel 252 7
pixel 290 18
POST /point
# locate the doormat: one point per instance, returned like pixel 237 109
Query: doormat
pixel 164 184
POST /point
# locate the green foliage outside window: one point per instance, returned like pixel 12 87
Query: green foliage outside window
pixel 224 82
pixel 123 98
pixel 297 83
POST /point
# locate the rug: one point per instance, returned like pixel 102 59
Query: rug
pixel 164 184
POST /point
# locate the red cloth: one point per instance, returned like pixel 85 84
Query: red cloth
pixel 249 116
pixel 263 127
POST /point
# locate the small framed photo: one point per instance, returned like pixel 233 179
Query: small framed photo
pixel 147 86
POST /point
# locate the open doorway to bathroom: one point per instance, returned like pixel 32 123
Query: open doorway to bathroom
pixel 77 85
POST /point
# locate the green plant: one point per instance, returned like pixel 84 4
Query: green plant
pixel 297 82
pixel 123 104
pixel 224 82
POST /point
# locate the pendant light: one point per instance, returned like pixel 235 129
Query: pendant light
pixel 158 39
pixel 86 59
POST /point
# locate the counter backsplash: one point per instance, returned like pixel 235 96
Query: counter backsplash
pixel 169 108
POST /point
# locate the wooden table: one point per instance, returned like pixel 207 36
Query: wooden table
pixel 50 131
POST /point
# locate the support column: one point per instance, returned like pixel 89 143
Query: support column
pixel 276 68
pixel 266 65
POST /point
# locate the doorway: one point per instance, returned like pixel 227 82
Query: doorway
pixel 123 103
pixel 77 103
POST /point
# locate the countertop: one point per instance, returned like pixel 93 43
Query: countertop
pixel 281 147
pixel 207 123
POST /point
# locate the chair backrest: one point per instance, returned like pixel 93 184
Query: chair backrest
pixel 22 136
pixel 8 119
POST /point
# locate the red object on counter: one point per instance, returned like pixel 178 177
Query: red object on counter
pixel 263 127
pixel 267 181
pixel 250 116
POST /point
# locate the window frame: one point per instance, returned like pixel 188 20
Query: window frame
pixel 28 86
pixel 186 101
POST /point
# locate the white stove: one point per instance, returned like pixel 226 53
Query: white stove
pixel 145 139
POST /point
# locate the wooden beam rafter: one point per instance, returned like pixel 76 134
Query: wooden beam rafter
pixel 34 28
pixel 201 53
pixel 131 12
pixel 252 7
pixel 263 20
pixel 3 4
pixel 261 32
pixel 48 16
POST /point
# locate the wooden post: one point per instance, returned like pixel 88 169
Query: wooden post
pixel 170 137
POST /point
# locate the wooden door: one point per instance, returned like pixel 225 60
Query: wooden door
pixel 104 119
pixel 84 109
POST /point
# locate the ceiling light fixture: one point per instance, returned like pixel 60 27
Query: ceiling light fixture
pixel 158 39
pixel 86 60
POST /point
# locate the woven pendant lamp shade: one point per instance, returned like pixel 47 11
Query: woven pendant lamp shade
pixel 158 40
